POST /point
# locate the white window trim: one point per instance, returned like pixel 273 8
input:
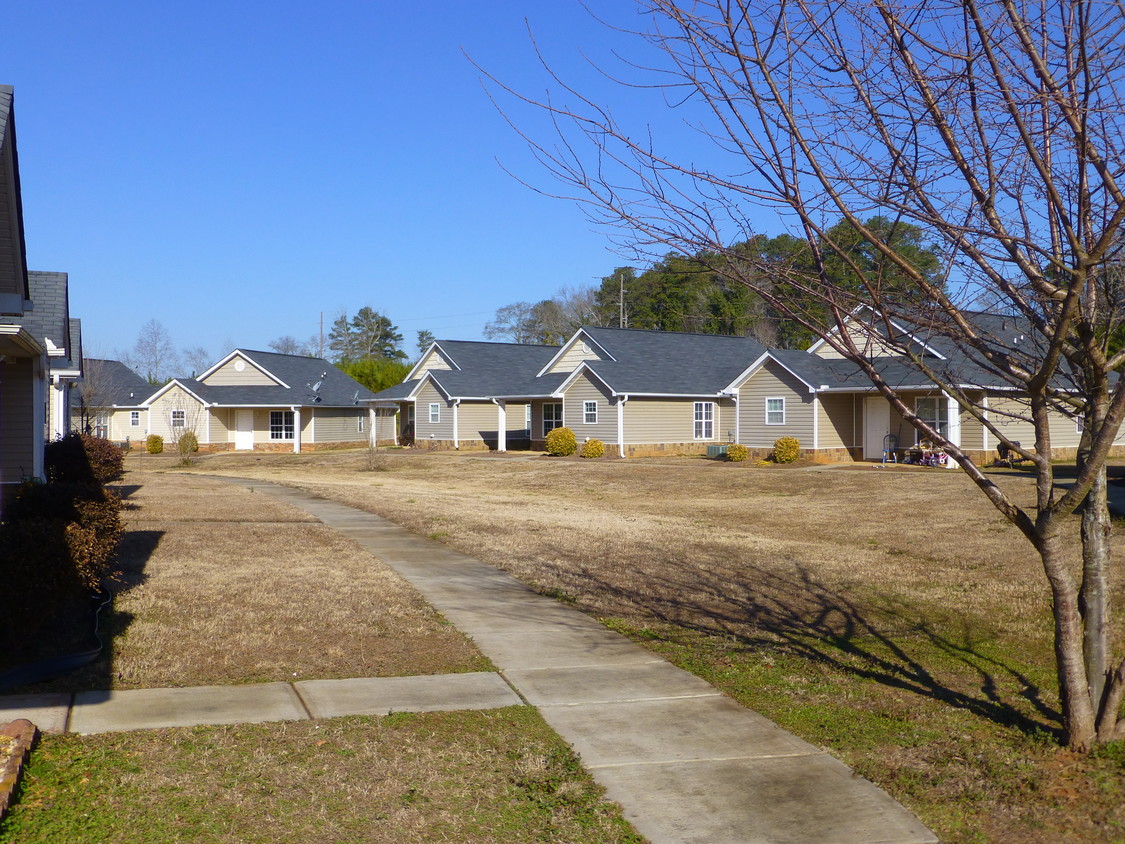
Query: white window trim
pixel 134 419
pixel 182 415
pixel 359 424
pixel 292 424
pixel 700 424
pixel 435 413
pixel 775 398
pixel 586 414
pixel 938 422
pixel 558 420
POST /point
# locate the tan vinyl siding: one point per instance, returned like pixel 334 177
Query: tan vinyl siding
pixel 339 424
pixel 584 390
pixel 537 416
pixel 650 420
pixel 218 426
pixel 773 381
pixel 579 351
pixel 477 421
pixel 863 340
pixel 17 419
pixel 423 429
pixel 119 429
pixel 972 431
pixel 517 417
pixel 160 413
pixel 228 375
pixel 836 421
pixel 433 360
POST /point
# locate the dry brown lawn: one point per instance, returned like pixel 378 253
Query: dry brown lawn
pixel 222 585
pixel 890 615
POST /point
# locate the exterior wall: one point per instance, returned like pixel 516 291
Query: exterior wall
pixel 119 428
pixel 837 421
pixel 773 381
pixel 432 361
pixel 605 429
pixel 337 424
pixel 160 414
pixel 18 439
pixel 671 422
pixel 477 424
pixel 580 351
pixel 228 374
pixel 972 431
pixel 385 426
pixel 221 423
pixel 423 428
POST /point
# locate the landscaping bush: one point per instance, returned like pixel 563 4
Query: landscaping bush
pixel 189 443
pixel 154 444
pixel 737 453
pixel 593 448
pixel 81 458
pixel 561 442
pixel 786 450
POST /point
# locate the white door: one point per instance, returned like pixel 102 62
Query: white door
pixel 876 425
pixel 244 430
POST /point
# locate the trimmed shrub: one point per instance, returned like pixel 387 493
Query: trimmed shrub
pixel 154 444
pixel 593 448
pixel 189 443
pixel 786 450
pixel 561 442
pixel 81 458
pixel 737 453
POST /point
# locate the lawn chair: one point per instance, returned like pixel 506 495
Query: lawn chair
pixel 1009 456
pixel 890 448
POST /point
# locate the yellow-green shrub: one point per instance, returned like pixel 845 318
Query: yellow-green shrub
pixel 561 442
pixel 593 448
pixel 786 449
pixel 154 444
pixel 189 442
pixel 737 453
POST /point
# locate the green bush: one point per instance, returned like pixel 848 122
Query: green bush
pixel 593 448
pixel 786 450
pixel 561 442
pixel 189 443
pixel 154 444
pixel 737 453
pixel 81 458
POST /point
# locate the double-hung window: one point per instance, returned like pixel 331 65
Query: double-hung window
pixel 134 419
pixel 179 419
pixel 590 412
pixel 359 423
pixel 552 416
pixel 931 410
pixel 281 424
pixel 775 411
pixel 704 420
pixel 435 413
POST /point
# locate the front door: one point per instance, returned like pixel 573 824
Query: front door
pixel 876 425
pixel 244 430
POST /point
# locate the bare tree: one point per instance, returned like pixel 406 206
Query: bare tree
pixel 994 125
pixel 153 355
pixel 289 345
pixel 196 358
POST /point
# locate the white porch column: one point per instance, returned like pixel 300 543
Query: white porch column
pixel 502 424
pixel 984 429
pixel 952 425
pixel 373 426
pixel 59 426
pixel 815 422
pixel 621 424
pixel 296 430
pixel 737 417
pixel 456 437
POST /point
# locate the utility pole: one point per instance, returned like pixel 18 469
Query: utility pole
pixel 622 320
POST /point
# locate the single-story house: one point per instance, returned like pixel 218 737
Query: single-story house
pixel 249 400
pixel 108 386
pixel 651 392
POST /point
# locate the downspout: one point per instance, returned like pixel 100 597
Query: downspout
pixel 621 399
pixel 296 429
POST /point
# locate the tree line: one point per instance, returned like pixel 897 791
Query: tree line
pixel 695 293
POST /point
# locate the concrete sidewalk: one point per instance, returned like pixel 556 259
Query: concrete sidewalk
pixel 685 762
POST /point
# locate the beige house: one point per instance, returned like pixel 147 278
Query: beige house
pixel 249 400
pixel 650 392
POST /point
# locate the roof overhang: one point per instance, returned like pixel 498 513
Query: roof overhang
pixel 753 368
pixel 17 341
pixel 174 383
pixel 241 354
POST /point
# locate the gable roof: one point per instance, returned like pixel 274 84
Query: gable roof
pixel 13 251
pixel 115 384
pixel 487 370
pixel 296 376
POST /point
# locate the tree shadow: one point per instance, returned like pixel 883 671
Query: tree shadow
pixel 758 609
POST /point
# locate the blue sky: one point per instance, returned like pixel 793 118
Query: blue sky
pixel 233 169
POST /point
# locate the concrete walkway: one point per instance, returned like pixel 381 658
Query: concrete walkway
pixel 685 762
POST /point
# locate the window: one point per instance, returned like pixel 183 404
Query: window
pixel 775 411
pixel 552 417
pixel 178 420
pixel 931 410
pixel 281 424
pixel 704 420
pixel 590 412
pixel 134 418
pixel 359 423
pixel 527 418
pixel 435 413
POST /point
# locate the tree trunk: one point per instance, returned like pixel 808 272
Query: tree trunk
pixel 1074 695
pixel 1093 600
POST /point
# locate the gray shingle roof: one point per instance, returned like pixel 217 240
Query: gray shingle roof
pixel 110 382
pixel 300 373
pixel 6 94
pixel 49 316
pixel 487 370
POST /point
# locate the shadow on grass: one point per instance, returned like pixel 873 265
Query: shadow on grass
pixel 62 642
pixel 752 607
